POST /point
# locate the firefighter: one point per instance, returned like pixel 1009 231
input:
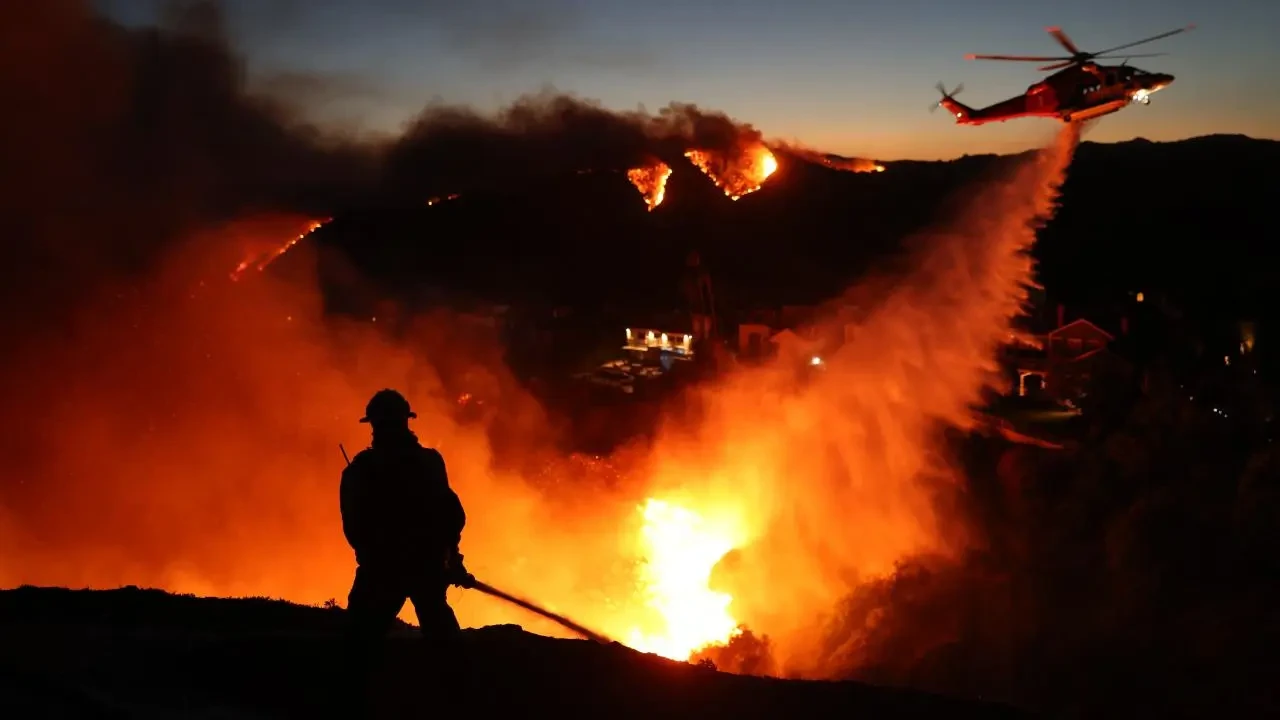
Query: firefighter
pixel 404 523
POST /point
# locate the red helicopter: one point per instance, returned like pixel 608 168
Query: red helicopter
pixel 1081 89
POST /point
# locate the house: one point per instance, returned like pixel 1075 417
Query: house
pixel 793 346
pixel 1077 353
pixel 1063 363
pixel 792 332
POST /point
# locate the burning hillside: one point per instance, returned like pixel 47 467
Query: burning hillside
pixel 766 507
pixel 736 174
pixel 651 181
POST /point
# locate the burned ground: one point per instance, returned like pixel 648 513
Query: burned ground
pixel 128 652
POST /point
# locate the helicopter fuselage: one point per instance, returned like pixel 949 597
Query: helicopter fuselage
pixel 1081 89
pixel 1074 94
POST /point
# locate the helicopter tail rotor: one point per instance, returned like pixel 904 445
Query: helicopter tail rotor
pixel 942 90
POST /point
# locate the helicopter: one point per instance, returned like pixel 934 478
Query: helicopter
pixel 1081 89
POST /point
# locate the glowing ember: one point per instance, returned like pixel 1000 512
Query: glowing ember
pixel 651 181
pixel 263 261
pixel 737 176
pixel 681 549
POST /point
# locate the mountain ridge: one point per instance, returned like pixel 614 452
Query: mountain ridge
pixel 812 230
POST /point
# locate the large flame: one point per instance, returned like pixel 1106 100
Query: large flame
pixel 651 181
pixel 229 407
pixel 681 549
pixel 737 175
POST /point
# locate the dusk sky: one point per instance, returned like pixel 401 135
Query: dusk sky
pixel 849 76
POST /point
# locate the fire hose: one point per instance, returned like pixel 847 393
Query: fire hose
pixel 491 591
pixel 558 619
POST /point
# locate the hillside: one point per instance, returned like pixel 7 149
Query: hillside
pixel 1134 215
pixel 145 653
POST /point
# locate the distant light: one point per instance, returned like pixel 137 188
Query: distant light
pixel 1139 297
pixel 1226 360
pixel 815 360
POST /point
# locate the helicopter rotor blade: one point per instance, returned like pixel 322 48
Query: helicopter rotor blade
pixel 1056 66
pixel 1144 41
pixel 1063 40
pixel 1128 55
pixel 1015 58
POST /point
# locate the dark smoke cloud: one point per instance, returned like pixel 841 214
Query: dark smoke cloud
pixel 116 142
pixel 301 90
pixel 452 149
pixel 494 35
pixel 504 34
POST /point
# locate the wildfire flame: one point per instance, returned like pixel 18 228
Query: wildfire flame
pixel 651 181
pixel 260 262
pixel 738 176
pixel 847 164
pixel 438 200
pixel 831 160
pixel 681 548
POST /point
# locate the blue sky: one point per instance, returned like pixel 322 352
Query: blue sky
pixel 848 76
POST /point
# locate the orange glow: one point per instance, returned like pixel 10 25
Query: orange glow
pixel 651 181
pixel 737 175
pixel 192 444
pixel 438 200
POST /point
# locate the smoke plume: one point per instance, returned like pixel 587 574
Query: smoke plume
pixel 449 149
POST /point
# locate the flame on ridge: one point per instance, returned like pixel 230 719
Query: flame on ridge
pixel 736 176
pixel 263 261
pixel 437 200
pixel 856 165
pixel 651 181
